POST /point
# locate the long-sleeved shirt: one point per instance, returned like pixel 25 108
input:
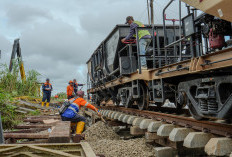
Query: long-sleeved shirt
pixel 133 26
pixel 47 87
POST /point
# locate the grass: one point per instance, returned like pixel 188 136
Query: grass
pixel 12 86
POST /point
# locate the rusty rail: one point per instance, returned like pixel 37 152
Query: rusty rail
pixel 205 126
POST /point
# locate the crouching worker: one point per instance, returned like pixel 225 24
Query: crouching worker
pixel 69 112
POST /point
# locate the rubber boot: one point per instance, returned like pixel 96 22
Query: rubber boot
pixel 42 104
pixel 47 104
pixel 80 127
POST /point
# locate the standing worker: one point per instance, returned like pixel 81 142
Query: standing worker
pixel 70 90
pixel 76 85
pixel 47 90
pixel 71 113
pixel 143 35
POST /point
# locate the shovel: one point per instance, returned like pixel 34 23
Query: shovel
pixel 104 121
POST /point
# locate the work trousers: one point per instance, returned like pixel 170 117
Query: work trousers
pixel 143 44
pixel 76 118
pixel 46 96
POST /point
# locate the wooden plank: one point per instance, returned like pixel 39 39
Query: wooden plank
pixel 49 121
pixel 25 136
pixel 58 149
pixel 51 152
pixel 87 149
pixel 33 130
pixel 61 133
pixel 32 126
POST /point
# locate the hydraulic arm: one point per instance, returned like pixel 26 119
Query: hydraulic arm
pixel 17 50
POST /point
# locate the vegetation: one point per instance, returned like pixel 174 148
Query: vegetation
pixel 62 95
pixel 11 82
pixel 12 86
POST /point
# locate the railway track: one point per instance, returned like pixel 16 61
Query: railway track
pixel 175 134
pixel 213 127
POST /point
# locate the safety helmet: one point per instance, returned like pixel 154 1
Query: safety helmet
pixel 70 81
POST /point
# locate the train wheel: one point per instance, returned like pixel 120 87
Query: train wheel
pixel 143 101
pixel 194 114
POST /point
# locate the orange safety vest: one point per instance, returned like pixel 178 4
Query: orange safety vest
pixel 69 90
pixel 79 102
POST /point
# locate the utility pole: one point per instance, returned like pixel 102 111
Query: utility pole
pixel 152 12
pixel 148 13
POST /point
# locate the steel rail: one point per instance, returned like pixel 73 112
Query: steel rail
pixel 205 126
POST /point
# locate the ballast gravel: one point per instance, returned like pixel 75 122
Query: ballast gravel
pixel 100 131
pixel 105 141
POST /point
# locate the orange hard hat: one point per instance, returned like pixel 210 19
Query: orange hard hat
pixel 56 96
pixel 70 81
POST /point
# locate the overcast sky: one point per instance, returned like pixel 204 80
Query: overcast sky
pixel 57 37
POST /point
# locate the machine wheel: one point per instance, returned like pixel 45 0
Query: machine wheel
pixel 194 114
pixel 143 101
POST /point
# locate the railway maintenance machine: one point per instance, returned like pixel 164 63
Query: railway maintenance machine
pixel 189 64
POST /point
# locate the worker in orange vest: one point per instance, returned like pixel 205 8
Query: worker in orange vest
pixel 71 113
pixel 70 90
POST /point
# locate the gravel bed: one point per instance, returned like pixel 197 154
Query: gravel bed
pixel 122 148
pixel 100 131
pixel 105 141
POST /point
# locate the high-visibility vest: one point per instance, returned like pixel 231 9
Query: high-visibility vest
pixel 141 32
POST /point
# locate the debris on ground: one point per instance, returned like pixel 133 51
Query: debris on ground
pixel 105 141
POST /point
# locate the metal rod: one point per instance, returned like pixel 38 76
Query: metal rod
pixel 223 60
pixel 174 38
pixel 158 46
pixel 164 29
pixel 180 45
pixel 113 72
pixel 148 13
pixel 138 50
pixel 174 43
pixel 160 73
pixel 130 55
pixel 153 41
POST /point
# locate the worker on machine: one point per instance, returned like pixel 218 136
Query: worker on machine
pixel 143 35
pixel 47 90
pixel 76 85
pixel 70 113
pixel 70 90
